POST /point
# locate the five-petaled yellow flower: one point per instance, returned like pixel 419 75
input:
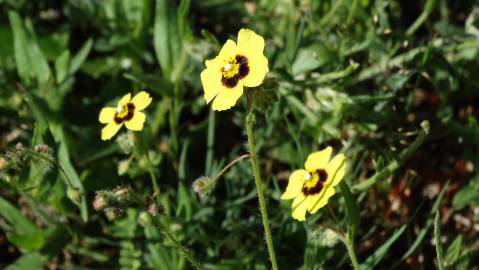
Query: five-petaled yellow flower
pixel 311 188
pixel 237 65
pixel 127 112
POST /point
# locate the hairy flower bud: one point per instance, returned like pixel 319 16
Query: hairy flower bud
pixel 155 209
pixel 112 213
pixel 126 141
pixel 144 219
pixel 3 163
pixel 101 201
pixel 73 194
pixel 202 186
pixel 121 194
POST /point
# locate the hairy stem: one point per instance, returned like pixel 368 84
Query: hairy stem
pixel 352 254
pixel 154 182
pixel 168 235
pixel 259 189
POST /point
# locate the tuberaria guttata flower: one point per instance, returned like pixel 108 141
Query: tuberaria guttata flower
pixel 127 112
pixel 312 187
pixel 237 65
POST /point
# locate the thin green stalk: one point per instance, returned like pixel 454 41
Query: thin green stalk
pixel 259 189
pixel 352 254
pixel 168 235
pixel 156 189
pixel 54 163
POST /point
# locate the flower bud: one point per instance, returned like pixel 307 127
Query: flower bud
pixel 144 219
pixel 112 213
pixel 126 141
pixel 73 194
pixel 19 146
pixel 154 209
pixel 42 149
pixel 101 201
pixel 202 186
pixel 3 163
pixel 121 194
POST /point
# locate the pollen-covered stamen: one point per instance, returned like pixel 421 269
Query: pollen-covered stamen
pixel 124 113
pixel 234 70
pixel 315 183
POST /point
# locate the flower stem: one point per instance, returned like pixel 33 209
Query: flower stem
pixel 352 254
pixel 259 188
pixel 156 189
pixel 168 235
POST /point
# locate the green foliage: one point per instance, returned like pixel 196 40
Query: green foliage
pixel 391 84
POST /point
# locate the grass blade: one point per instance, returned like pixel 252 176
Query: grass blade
pixel 437 237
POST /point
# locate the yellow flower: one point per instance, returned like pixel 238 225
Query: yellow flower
pixel 311 188
pixel 237 65
pixel 127 112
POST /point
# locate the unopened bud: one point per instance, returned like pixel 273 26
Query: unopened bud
pixel 126 141
pixel 73 194
pixel 42 149
pixel 155 209
pixel 121 194
pixel 144 219
pixel 3 163
pixel 202 186
pixel 112 213
pixel 19 146
pixel 101 201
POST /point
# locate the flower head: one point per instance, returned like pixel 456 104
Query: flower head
pixel 312 187
pixel 237 65
pixel 127 112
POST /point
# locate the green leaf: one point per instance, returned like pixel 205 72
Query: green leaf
pixel 454 250
pixel 352 210
pixel 80 56
pixel 29 59
pixel 62 65
pixel 396 163
pixel 377 256
pixel 437 238
pixel 166 39
pixel 32 241
pixel 423 232
pixel 183 11
pixel 19 224
pixel 467 195
pixel 28 261
pixel 20 43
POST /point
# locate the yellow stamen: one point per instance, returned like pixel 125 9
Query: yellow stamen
pixel 230 69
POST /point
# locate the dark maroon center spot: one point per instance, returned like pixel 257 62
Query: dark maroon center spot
pixel 243 71
pixel 322 177
pixel 120 118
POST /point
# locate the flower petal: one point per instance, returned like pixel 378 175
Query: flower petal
pixel 258 65
pixel 295 184
pixel 251 45
pixel 249 42
pixel 141 100
pixel 211 80
pixel 336 169
pixel 318 159
pixel 319 200
pixel 110 130
pixel 227 97
pixel 124 100
pixel 228 51
pixel 107 115
pixel 136 123
pixel 299 207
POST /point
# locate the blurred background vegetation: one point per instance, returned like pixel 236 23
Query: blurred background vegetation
pixel 359 75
